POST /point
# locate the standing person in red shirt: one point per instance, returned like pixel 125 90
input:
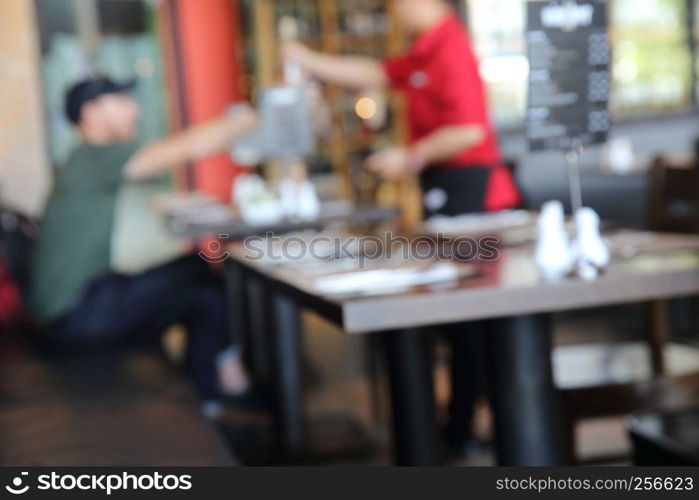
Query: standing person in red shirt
pixel 452 147
pixel 451 137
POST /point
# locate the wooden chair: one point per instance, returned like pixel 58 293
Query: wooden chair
pixel 672 205
pixel 673 197
pixel 665 438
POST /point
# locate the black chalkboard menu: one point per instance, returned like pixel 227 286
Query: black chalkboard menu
pixel 568 52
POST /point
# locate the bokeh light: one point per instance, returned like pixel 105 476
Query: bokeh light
pixel 365 108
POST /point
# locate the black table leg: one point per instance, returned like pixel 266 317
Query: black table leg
pixel 528 427
pixel 412 398
pixel 258 318
pixel 285 346
pixel 237 300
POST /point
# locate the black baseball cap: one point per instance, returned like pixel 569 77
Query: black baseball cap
pixel 90 89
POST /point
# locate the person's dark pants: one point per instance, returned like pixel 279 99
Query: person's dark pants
pixel 140 308
pixel 461 191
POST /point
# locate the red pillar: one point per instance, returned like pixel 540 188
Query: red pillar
pixel 209 47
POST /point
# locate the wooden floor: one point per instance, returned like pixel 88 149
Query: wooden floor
pixel 111 409
pixel 127 409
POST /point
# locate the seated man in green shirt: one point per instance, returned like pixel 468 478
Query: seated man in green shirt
pixel 76 295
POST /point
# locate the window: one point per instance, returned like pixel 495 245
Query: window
pixel 497 30
pixel 652 65
pixel 113 37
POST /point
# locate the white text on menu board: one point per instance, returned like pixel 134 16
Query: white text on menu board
pixel 567 16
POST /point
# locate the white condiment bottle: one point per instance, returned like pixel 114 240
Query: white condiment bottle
pixel 554 256
pixel 591 252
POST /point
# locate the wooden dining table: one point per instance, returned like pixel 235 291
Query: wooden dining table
pixel 508 291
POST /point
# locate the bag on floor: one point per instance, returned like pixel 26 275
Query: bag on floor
pixel 17 234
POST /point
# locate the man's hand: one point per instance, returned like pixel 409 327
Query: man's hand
pixel 390 163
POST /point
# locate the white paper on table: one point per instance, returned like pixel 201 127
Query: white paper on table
pixel 474 223
pixel 385 279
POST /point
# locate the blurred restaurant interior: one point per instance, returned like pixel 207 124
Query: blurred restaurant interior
pixel 349 358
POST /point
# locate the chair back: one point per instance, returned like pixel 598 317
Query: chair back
pixel 673 198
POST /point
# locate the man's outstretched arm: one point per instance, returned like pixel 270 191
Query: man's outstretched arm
pixel 347 71
pixel 190 145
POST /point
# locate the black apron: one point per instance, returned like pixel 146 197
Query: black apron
pixel 454 191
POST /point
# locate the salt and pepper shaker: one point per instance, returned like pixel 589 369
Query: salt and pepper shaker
pixel 590 250
pixel 553 253
pixel 299 201
pixel 285 136
pixel 258 206
pixel 308 206
pixel 556 255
